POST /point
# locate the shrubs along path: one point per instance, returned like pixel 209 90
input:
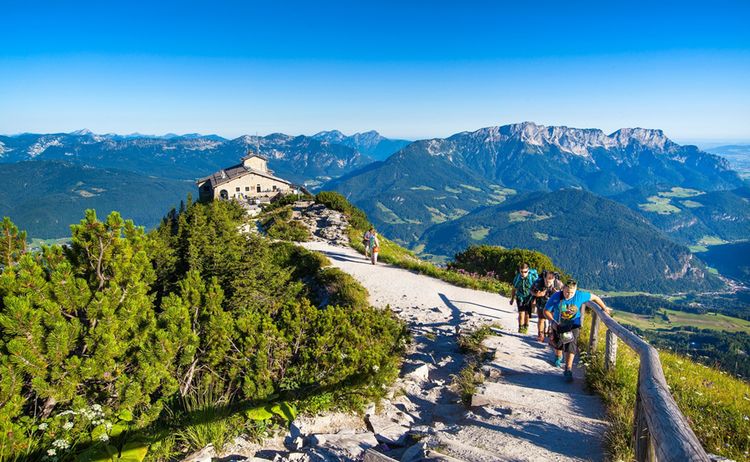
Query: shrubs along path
pixel 523 410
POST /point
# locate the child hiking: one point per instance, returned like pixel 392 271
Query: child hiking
pixel 366 242
pixel 374 245
pixel 543 288
pixel 521 293
pixel 564 309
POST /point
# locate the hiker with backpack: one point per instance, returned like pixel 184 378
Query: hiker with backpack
pixel 563 310
pixel 374 245
pixel 543 288
pixel 521 293
pixel 366 242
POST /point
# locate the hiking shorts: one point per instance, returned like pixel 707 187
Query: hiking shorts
pixel 540 310
pixel 570 347
pixel 524 307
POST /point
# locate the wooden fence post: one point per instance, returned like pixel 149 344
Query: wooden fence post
pixel 594 337
pixel 610 352
pixel 642 443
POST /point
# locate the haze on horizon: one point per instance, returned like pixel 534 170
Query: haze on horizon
pixel 409 71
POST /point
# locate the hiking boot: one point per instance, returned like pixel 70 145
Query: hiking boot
pixel 568 375
pixel 558 362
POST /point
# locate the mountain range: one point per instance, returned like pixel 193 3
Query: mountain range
pixel 605 244
pixel 493 185
pixel 522 157
pixel 301 159
pixel 44 197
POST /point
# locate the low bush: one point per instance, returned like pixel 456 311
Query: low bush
pixel 499 262
pixel 104 343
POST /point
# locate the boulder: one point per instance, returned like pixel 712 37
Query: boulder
pixel 203 455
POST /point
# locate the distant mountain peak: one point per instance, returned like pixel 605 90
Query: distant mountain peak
pixel 651 137
pixel 82 132
pixel 330 136
pixel 577 141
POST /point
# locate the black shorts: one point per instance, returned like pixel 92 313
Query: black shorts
pixel 570 347
pixel 524 307
pixel 540 311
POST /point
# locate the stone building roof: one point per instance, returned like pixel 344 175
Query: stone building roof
pixel 236 171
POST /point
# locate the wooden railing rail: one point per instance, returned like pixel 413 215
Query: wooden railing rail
pixel 661 432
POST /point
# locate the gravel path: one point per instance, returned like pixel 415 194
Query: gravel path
pixel 523 412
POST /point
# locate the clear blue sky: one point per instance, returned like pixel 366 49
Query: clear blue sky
pixel 407 69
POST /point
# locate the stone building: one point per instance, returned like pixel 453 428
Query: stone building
pixel 248 180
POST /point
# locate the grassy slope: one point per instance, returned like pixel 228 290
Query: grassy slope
pixel 717 405
pixel 682 319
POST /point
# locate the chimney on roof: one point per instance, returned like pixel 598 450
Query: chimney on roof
pixel 223 174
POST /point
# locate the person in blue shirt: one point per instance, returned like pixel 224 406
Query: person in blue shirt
pixel 564 309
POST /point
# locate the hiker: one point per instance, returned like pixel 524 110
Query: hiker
pixel 563 310
pixel 543 288
pixel 521 293
pixel 374 245
pixel 366 242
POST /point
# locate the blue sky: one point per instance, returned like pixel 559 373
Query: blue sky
pixel 407 69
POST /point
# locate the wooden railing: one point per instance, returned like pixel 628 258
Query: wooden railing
pixel 661 432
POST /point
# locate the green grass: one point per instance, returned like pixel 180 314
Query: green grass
pixel 452 190
pixel 716 404
pixel 471 188
pixel 713 321
pixel 660 205
pixel 389 216
pixel 519 215
pixel 681 192
pixel 422 188
pixel 697 248
pixel 711 240
pixel 480 233
pixel 392 253
pixel 691 204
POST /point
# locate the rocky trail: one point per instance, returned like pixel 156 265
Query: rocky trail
pixel 524 410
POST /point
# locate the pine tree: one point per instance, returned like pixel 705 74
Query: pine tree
pixel 13 243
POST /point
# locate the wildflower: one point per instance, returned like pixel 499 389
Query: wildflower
pixel 96 407
pixel 68 412
pixel 43 426
pixel 375 368
pixel 51 452
pixel 61 444
pixel 108 425
pixel 68 425
pixel 104 437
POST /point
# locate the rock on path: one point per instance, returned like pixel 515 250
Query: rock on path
pixel 523 412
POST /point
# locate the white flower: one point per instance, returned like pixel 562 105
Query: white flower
pixel 43 426
pixel 108 426
pixel 66 413
pixel 375 368
pixel 104 437
pixel 61 444
pixel 96 407
pixel 51 452
pixel 68 425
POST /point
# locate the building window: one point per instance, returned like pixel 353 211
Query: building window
pixel 274 187
pixel 258 188
pixel 247 188
pixel 237 189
